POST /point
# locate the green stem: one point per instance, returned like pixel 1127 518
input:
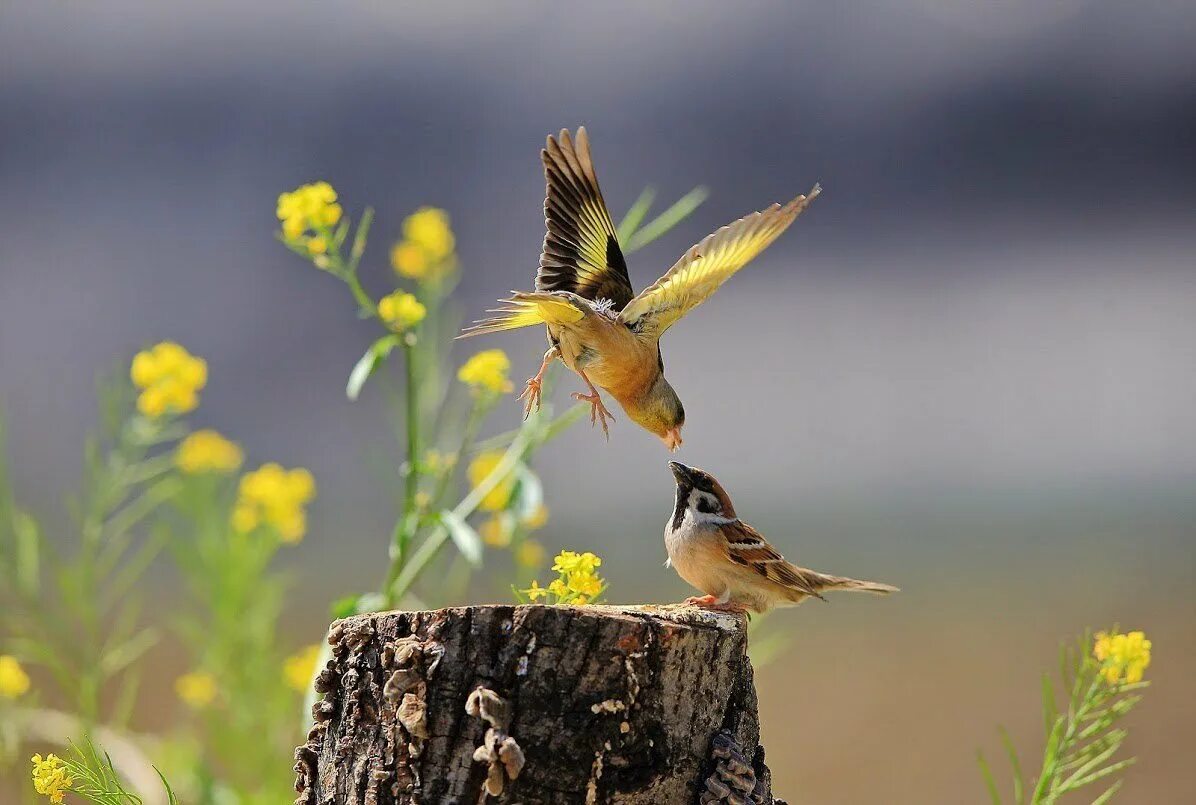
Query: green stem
pixel 472 423
pixel 431 546
pixel 405 526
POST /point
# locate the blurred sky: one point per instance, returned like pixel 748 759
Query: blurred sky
pixel 973 354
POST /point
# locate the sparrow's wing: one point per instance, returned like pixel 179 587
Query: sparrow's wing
pixel 746 546
pixel 581 250
pixel 706 266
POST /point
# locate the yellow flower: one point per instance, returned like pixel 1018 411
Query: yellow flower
pixel 585 583
pixel 496 531
pixel 208 451
pixel 401 311
pixel 529 553
pixel 581 601
pixel 498 497
pixel 409 260
pixel 537 518
pixel 277 498
pixel 300 667
pixel 486 372
pixel 14 681
pixel 197 689
pixel 573 562
pixel 1123 657
pixel 170 379
pixel 309 207
pixel 535 592
pixel 428 228
pixel 558 588
pixel 50 777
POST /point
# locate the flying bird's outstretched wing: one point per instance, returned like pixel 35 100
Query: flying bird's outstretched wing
pixel 706 266
pixel 581 250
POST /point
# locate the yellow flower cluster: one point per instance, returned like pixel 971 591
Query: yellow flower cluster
pixel 311 207
pixel 197 689
pixel 208 451
pixel 401 310
pixel 481 467
pixel 14 681
pixel 300 667
pixel 426 250
pixel 277 498
pixel 170 379
pixel 1123 657
pixel 50 777
pixel 486 372
pixel 577 582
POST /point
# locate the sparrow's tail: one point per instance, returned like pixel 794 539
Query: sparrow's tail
pixel 526 310
pixel 843 583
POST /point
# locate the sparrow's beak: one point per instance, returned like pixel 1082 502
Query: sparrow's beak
pixel 682 473
pixel 672 439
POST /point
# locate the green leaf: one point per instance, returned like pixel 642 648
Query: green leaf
pixel 993 794
pixel 1109 792
pixel 1105 772
pixel 668 219
pixel 1049 709
pixel 171 799
pixel 369 363
pixel 531 491
pixel 359 238
pixel 27 536
pixel 635 216
pixel 1018 794
pixel 466 539
pixel 344 607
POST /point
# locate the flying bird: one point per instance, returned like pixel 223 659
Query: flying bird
pixel 731 562
pixel 597 325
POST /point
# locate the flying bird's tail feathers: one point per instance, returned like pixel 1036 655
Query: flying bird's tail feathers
pixel 526 310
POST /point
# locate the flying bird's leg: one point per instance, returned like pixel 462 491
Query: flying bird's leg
pixel 598 411
pixel 535 385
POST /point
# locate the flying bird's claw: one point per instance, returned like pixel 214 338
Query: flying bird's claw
pixel 598 411
pixel 532 394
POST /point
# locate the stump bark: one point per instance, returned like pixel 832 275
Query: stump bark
pixel 535 704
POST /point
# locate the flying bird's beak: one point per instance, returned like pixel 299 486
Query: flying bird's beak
pixel 672 439
pixel 682 473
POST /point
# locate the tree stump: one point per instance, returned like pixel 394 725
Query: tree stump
pixel 535 704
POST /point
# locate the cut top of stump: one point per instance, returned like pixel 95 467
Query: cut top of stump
pixel 535 704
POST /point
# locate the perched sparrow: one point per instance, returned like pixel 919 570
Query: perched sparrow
pixel 597 326
pixel 724 557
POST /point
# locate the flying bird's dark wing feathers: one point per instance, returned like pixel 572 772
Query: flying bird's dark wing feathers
pixel 581 250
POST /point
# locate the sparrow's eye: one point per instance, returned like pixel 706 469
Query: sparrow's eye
pixel 707 504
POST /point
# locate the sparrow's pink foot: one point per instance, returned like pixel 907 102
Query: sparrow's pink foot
pixel 598 412
pixel 710 602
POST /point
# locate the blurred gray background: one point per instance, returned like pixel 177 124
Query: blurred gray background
pixel 967 370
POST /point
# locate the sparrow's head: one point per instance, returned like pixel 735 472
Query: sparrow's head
pixel 659 411
pixel 700 495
